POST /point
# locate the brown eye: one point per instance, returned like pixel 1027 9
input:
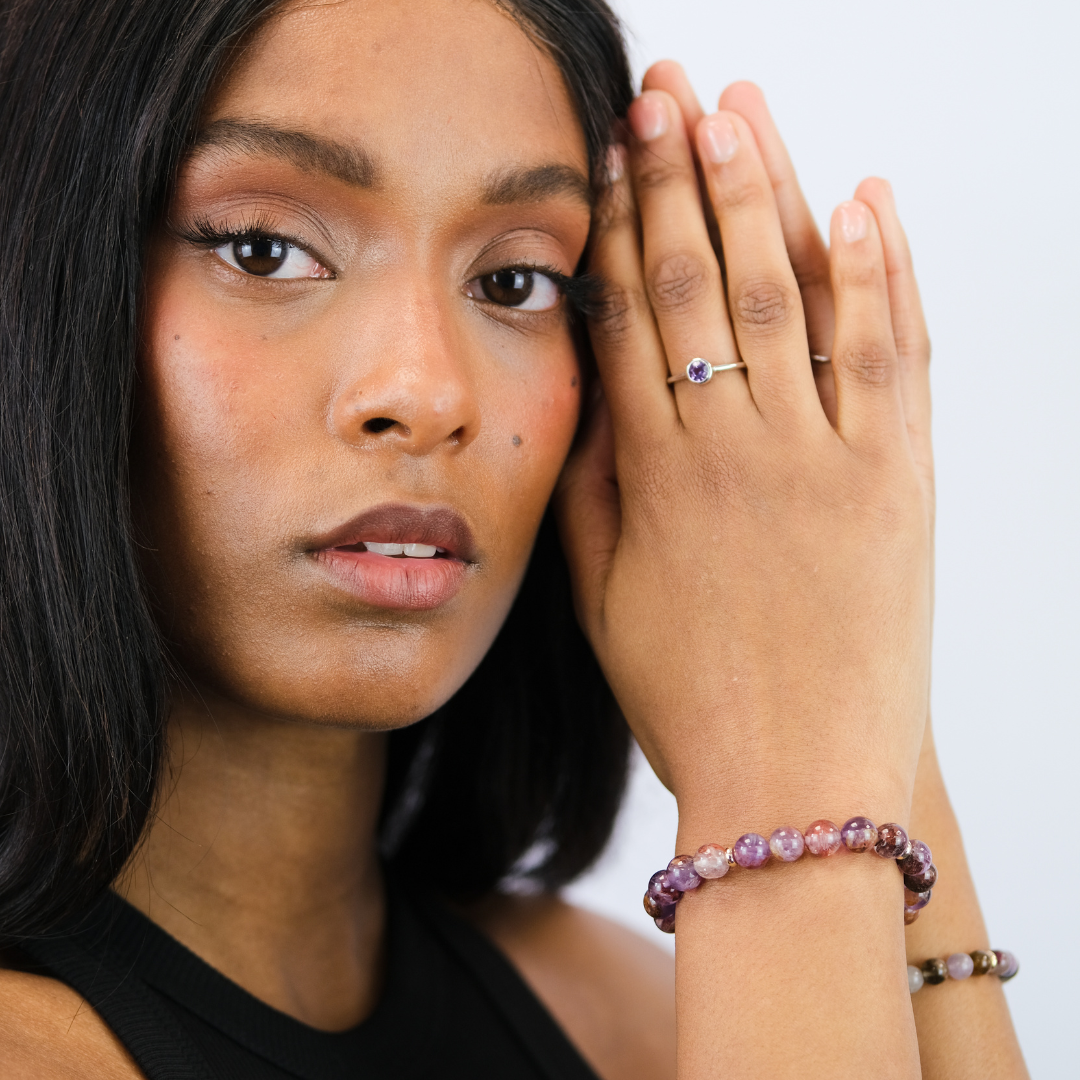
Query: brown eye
pixel 260 255
pixel 528 290
pixel 272 257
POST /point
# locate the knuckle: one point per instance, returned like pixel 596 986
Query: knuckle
pixel 763 305
pixel 868 363
pixel 678 281
pixel 614 312
pixel 654 171
pixel 735 196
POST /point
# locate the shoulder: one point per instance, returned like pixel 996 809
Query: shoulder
pixel 611 990
pixel 49 1032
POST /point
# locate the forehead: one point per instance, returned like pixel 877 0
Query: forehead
pixel 433 90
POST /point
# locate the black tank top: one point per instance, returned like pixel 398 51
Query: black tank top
pixel 452 1007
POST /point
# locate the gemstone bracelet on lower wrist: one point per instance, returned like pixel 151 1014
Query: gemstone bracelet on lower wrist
pixel 962 966
pixel 686 872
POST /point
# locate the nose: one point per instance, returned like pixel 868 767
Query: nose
pixel 409 384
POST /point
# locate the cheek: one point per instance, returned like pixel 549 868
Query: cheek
pixel 531 427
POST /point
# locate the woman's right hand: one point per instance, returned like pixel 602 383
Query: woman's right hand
pixel 755 579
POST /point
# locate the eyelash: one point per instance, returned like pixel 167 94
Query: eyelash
pixel 581 290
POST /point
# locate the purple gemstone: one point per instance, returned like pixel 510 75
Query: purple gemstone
pixel 918 861
pixel 658 907
pixel 892 842
pixel 751 850
pixel 916 901
pixel 787 843
pixel 960 965
pixel 926 880
pixel 823 838
pixel 660 885
pixel 667 924
pixel 681 874
pixel 1007 965
pixel 698 371
pixel 859 834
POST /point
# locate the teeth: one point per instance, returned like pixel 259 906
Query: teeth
pixel 385 549
pixel 420 551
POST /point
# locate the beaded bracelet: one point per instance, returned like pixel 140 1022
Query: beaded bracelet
pixel 962 966
pixel 686 872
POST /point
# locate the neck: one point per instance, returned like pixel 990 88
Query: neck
pixel 261 857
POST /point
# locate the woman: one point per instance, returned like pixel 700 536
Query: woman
pixel 292 372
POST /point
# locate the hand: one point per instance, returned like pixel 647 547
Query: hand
pixel 756 580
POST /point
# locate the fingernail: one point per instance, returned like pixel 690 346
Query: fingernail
pixel 616 162
pixel 854 221
pixel 718 139
pixel 649 118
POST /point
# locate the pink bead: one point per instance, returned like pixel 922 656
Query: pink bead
pixel 823 838
pixel 711 861
pixel 859 833
pixel 787 843
pixel 960 965
pixel 681 874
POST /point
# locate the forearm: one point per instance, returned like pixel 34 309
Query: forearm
pixel 793 970
pixel 964 1028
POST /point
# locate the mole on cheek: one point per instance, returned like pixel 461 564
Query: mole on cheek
pixel 573 381
pixel 516 440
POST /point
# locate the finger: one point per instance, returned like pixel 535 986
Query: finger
pixel 682 275
pixel 864 354
pixel 668 75
pixel 762 293
pixel 805 247
pixel 908 322
pixel 588 511
pixel 625 340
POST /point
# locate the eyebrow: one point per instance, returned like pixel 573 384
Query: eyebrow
pixel 535 183
pixel 308 152
pixel 354 165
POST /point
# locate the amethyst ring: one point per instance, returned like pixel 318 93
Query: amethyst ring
pixel 701 371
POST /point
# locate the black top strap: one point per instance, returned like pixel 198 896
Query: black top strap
pixel 151 1033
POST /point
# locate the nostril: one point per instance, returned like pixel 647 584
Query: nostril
pixel 379 424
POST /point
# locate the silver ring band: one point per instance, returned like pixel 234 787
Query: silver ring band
pixel 701 371
pixel 821 359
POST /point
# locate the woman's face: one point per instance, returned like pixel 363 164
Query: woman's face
pixel 344 347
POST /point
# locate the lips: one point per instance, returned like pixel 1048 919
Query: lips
pixel 399 582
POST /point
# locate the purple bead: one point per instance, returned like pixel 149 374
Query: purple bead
pixel 960 965
pixel 1007 965
pixel 667 924
pixel 918 861
pixel 659 886
pixel 916 901
pixel 698 371
pixel 892 842
pixel 751 850
pixel 859 834
pixel 926 880
pixel 658 907
pixel 823 838
pixel 787 844
pixel 681 874
pixel 711 861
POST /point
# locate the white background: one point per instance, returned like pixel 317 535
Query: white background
pixel 971 111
